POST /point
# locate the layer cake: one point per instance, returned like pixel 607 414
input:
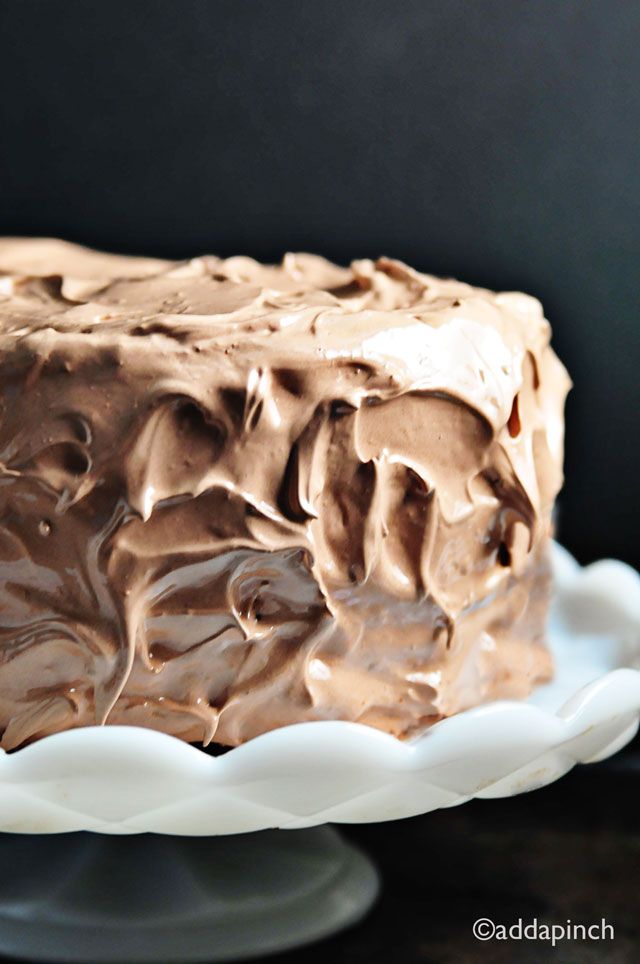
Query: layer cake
pixel 236 496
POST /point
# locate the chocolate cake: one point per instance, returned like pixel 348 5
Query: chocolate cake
pixel 236 496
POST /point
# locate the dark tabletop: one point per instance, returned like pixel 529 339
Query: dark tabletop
pixel 568 851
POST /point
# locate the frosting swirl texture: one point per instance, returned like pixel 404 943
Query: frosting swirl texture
pixel 235 496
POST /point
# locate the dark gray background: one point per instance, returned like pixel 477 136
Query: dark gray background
pixel 496 140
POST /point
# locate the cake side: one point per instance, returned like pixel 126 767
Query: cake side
pixel 236 496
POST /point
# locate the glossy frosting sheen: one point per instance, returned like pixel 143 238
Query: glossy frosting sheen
pixel 235 496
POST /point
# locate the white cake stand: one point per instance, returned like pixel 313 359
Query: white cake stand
pixel 219 897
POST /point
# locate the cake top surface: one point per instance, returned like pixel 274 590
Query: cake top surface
pixel 428 333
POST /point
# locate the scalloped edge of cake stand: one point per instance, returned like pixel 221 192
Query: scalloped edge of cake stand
pixel 126 780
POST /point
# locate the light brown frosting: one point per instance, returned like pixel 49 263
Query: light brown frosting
pixel 235 496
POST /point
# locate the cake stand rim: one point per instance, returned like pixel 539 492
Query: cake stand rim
pixel 513 746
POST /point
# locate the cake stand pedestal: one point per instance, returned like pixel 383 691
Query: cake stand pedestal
pixel 88 897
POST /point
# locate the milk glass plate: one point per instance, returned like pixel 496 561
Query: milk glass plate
pixel 190 891
pixel 124 780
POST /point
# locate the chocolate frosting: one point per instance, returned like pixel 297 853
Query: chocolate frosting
pixel 235 496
